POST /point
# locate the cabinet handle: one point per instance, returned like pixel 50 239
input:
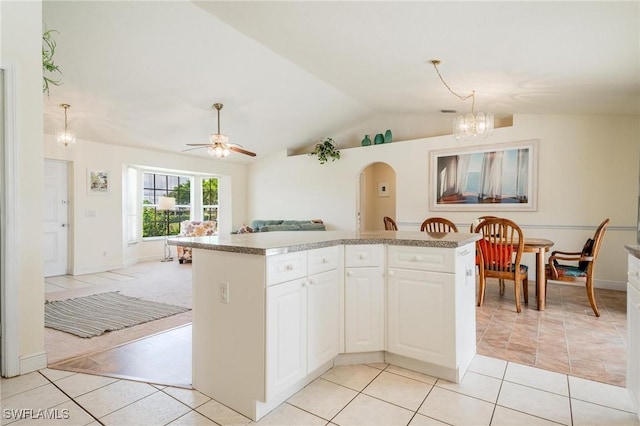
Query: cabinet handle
pixel 361 256
pixel 633 274
pixel 324 260
pixel 464 252
pixel 312 282
pixel 349 273
pixel 288 267
pixel 390 273
pixel 469 272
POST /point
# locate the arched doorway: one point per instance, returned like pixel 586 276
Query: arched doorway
pixel 377 196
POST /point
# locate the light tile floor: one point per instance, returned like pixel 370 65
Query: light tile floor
pixel 493 392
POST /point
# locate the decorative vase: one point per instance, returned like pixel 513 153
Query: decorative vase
pixel 387 136
pixel 366 141
pixel 379 139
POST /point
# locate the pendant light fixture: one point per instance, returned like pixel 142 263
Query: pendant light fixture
pixel 65 137
pixel 470 125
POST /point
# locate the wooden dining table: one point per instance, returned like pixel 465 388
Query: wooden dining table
pixel 539 246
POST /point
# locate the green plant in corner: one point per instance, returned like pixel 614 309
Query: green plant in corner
pixel 326 149
pixel 48 65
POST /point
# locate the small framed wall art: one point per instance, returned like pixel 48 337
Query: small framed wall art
pixel 98 182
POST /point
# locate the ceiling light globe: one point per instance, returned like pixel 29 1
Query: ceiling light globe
pixel 218 138
pixel 65 137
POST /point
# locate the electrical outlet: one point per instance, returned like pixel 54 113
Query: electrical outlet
pixel 224 292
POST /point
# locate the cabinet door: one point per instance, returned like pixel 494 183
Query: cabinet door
pixel 323 313
pixel 286 335
pixel 421 316
pixel 364 310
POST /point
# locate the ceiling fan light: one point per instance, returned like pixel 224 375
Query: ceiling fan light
pixel 218 138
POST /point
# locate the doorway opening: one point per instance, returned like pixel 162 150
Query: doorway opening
pixel 377 196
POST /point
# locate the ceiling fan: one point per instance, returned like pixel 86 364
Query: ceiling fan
pixel 219 145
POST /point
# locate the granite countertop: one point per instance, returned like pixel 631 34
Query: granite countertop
pixel 271 243
pixel 634 250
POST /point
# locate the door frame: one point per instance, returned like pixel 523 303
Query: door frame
pixel 9 347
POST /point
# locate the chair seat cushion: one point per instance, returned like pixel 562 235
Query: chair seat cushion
pixel 496 253
pixel 567 271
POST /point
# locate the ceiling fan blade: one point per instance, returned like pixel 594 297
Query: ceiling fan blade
pixel 198 144
pixel 242 151
pixel 191 149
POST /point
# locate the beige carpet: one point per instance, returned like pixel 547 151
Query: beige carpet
pixel 167 282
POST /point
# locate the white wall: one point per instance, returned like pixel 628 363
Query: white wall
pixel 20 48
pixel 92 236
pixel 588 170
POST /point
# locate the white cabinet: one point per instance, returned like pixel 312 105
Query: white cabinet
pixel 633 330
pixel 290 314
pixel 323 314
pixel 431 305
pixel 302 316
pixel 286 335
pixel 421 321
pixel 364 298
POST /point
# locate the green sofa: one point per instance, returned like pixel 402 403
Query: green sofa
pixel 287 225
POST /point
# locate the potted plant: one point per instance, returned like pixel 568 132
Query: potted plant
pixel 326 149
pixel 48 65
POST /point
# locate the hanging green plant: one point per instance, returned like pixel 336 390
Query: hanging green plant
pixel 48 65
pixel 326 149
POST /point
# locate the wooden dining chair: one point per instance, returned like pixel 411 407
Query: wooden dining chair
pixel 500 249
pixel 438 224
pixel 389 224
pixel 477 222
pixel 583 264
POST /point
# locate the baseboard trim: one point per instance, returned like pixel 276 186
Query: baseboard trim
pixel 598 284
pixel 33 362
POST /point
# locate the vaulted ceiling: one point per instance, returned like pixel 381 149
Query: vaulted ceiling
pixel 146 73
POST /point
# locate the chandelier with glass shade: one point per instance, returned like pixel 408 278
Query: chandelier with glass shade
pixel 474 124
pixel 65 137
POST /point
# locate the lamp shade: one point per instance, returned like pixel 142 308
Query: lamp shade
pixel 166 203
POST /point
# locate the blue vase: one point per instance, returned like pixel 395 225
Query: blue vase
pixel 366 141
pixel 387 136
pixel 379 139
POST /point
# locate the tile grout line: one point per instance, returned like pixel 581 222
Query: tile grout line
pixel 71 399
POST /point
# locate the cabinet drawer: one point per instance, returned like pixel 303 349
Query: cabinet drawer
pixel 286 267
pixel 322 260
pixel 422 258
pixel 363 255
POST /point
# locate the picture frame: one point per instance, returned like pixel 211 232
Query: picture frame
pixel 498 177
pixel 98 182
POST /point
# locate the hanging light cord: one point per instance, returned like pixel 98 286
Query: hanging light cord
pixel 435 63
pixel 65 119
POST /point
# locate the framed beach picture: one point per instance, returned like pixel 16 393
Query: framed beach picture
pixel 98 182
pixel 501 177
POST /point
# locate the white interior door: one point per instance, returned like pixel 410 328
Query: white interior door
pixel 56 218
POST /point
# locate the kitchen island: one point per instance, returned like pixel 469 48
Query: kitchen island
pixel 273 311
